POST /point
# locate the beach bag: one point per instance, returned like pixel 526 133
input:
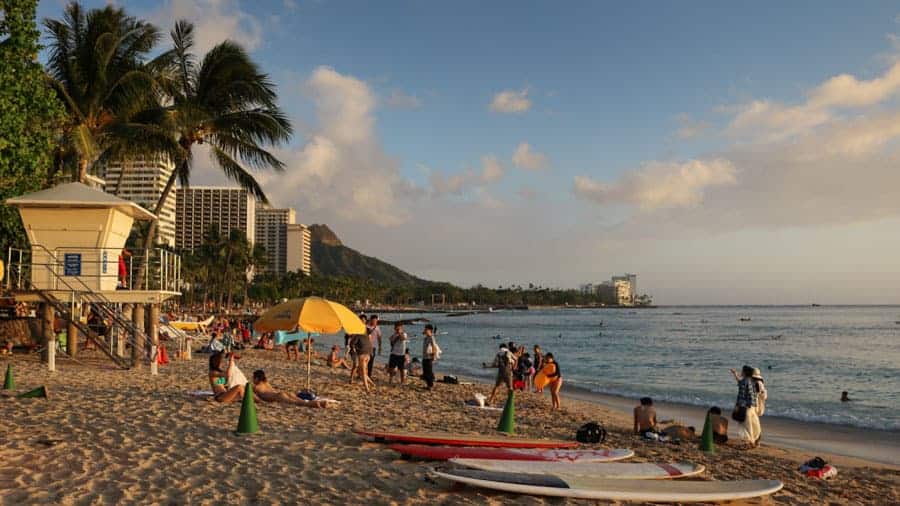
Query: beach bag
pixel 450 380
pixel 739 414
pixel 591 433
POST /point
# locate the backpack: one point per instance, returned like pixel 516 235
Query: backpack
pixel 591 433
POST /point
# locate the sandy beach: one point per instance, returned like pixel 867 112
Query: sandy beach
pixel 108 436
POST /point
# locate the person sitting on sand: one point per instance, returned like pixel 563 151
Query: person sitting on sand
pixel 719 425
pixel 679 433
pixel 267 393
pixel 218 378
pixel 335 360
pixel 292 350
pixel 845 397
pixel 414 367
pixel 645 416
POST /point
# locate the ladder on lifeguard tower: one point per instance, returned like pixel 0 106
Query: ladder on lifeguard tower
pixel 105 308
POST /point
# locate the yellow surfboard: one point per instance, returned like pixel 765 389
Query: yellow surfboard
pixel 541 379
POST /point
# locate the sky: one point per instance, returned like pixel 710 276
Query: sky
pixel 726 154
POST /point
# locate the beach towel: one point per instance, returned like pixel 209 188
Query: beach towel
pixel 200 393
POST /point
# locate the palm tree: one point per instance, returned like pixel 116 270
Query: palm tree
pixel 98 67
pixel 227 103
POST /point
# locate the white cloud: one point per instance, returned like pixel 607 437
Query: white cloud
pixel 769 121
pixel 491 169
pixel 511 102
pixel 214 20
pixel 400 100
pixel 525 158
pixel 468 179
pixel 689 128
pixel 659 185
pixel 342 170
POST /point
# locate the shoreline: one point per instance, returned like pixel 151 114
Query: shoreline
pixel 848 445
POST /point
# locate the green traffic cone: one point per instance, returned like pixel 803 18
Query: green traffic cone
pixel 247 423
pixel 39 392
pixel 508 418
pixel 10 383
pixel 707 444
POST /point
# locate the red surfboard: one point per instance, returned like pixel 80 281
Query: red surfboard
pixel 531 454
pixel 451 439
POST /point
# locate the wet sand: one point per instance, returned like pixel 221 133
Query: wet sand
pixel 108 436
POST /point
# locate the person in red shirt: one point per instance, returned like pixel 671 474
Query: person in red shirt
pixel 123 269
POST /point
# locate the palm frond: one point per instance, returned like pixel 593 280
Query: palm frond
pixel 235 172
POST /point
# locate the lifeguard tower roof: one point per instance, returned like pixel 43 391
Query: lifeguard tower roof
pixel 81 196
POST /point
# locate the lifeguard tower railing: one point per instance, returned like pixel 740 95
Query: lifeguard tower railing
pixel 162 273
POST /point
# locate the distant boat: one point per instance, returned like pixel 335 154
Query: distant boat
pixel 745 319
pixel 816 305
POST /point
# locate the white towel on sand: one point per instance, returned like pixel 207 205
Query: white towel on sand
pixel 235 378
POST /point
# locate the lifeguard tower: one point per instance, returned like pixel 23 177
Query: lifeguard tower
pixel 77 265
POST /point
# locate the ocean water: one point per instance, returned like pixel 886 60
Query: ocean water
pixel 807 355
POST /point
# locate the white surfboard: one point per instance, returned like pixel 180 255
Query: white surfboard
pixel 633 471
pixel 613 490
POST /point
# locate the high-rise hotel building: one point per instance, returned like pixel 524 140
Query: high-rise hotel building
pixel 286 242
pixel 142 181
pixel 202 207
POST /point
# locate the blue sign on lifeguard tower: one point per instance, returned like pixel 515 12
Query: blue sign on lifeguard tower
pixel 72 264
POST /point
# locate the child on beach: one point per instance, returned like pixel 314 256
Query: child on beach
pixel 335 360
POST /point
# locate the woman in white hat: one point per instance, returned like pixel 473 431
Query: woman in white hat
pixel 761 394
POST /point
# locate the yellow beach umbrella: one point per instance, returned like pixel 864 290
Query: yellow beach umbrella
pixel 310 314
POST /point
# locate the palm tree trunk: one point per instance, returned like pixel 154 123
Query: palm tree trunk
pixel 123 166
pixel 82 169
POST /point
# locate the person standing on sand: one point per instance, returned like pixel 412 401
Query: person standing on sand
pixel 374 333
pixel 551 370
pixel 538 358
pixel 364 351
pixel 503 361
pixel 397 360
pixel 761 393
pixel 745 406
pixel 430 352
pixel 351 342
